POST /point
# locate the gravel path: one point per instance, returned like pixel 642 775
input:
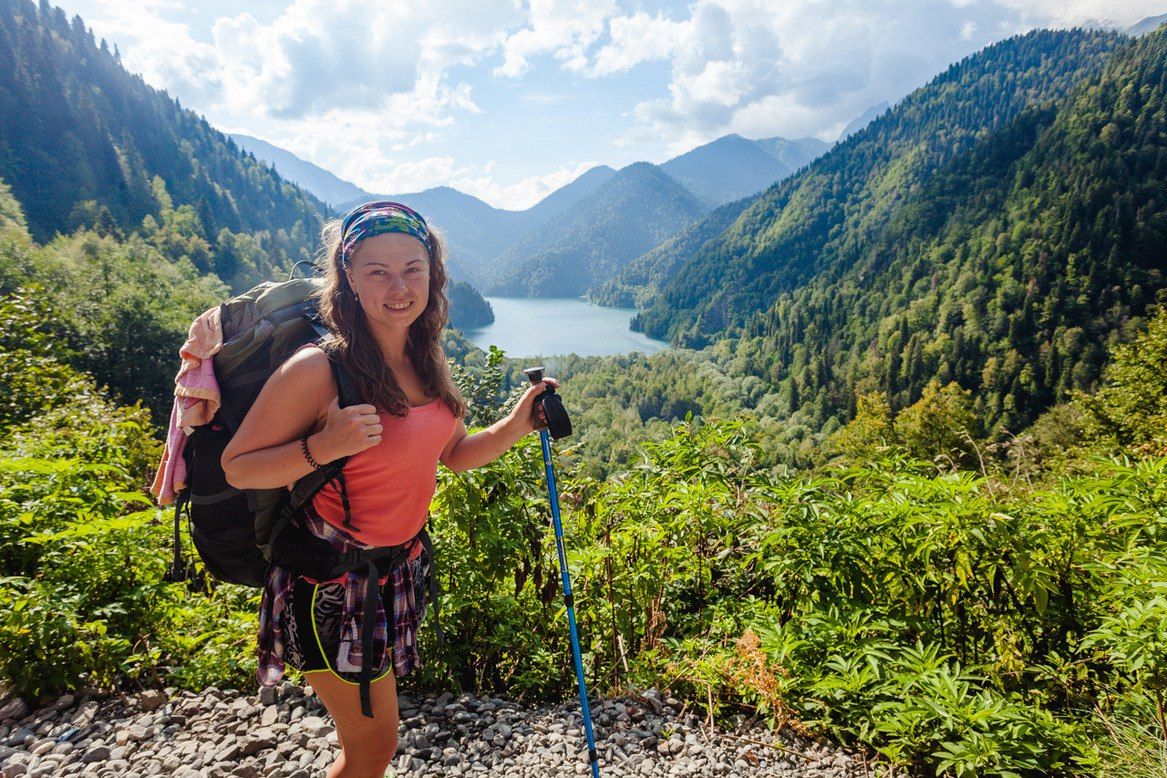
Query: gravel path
pixel 286 732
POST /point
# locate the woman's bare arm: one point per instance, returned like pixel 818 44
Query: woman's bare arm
pixel 465 451
pixel 299 399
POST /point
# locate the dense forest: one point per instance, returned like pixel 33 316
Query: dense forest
pixel 819 222
pixel 467 308
pixel 640 281
pixel 1009 272
pixel 83 143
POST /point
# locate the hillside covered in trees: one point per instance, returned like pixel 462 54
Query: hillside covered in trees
pixel 83 143
pixel 818 221
pixel 640 282
pixel 1010 271
pixel 1006 267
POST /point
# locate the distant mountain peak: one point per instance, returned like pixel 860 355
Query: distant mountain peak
pixel 732 167
pixel 864 119
pixel 638 167
pixel 1147 25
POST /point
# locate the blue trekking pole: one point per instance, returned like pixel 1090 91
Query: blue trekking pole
pixel 560 427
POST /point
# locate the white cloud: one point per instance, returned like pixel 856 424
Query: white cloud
pixel 719 83
pixel 416 175
pixel 635 39
pixel 320 55
pixel 416 139
pixel 522 194
pixel 1071 13
pixel 565 28
pixel 807 67
pixel 762 68
pixel 363 147
pixel 312 56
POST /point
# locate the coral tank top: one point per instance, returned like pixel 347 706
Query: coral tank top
pixel 390 485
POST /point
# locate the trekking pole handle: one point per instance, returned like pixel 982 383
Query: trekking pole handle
pixel 558 422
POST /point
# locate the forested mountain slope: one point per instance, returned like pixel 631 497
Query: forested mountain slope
pixel 641 280
pixel 631 212
pixel 818 220
pixel 467 308
pixel 84 143
pixel 1009 271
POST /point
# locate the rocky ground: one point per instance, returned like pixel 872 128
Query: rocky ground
pixel 286 732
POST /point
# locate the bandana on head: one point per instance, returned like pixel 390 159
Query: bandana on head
pixel 376 218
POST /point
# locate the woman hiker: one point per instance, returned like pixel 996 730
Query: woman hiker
pixel 384 300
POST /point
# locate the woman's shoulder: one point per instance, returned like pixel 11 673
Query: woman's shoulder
pixel 309 358
pixel 307 369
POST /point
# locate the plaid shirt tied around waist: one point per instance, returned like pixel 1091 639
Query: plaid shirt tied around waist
pixel 407 601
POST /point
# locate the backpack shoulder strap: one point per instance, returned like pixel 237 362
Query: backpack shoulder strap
pixel 347 391
pixel 306 488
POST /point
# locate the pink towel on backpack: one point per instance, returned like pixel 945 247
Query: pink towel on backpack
pixel 171 476
pixel 195 382
pixel 196 399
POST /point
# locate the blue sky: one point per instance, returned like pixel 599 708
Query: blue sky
pixel 510 100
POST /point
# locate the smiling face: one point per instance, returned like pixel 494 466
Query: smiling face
pixel 391 275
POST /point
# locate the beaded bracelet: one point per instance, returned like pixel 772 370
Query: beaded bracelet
pixel 308 454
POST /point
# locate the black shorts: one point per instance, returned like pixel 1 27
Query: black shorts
pixel 314 627
pixel 313 624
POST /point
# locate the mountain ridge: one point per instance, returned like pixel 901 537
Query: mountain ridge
pixel 634 210
pixel 322 183
pixel 479 233
pixel 778 242
pixel 705 171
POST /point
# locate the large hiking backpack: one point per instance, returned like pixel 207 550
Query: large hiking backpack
pixel 232 529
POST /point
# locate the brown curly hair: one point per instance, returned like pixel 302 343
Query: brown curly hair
pixel 354 346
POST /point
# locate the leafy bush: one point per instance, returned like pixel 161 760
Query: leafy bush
pixel 82 553
pixel 1129 411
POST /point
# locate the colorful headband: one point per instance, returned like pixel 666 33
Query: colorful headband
pixel 376 218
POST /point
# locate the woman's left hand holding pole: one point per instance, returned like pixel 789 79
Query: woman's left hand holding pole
pixel 465 451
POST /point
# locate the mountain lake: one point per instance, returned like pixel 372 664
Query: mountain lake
pixel 526 327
